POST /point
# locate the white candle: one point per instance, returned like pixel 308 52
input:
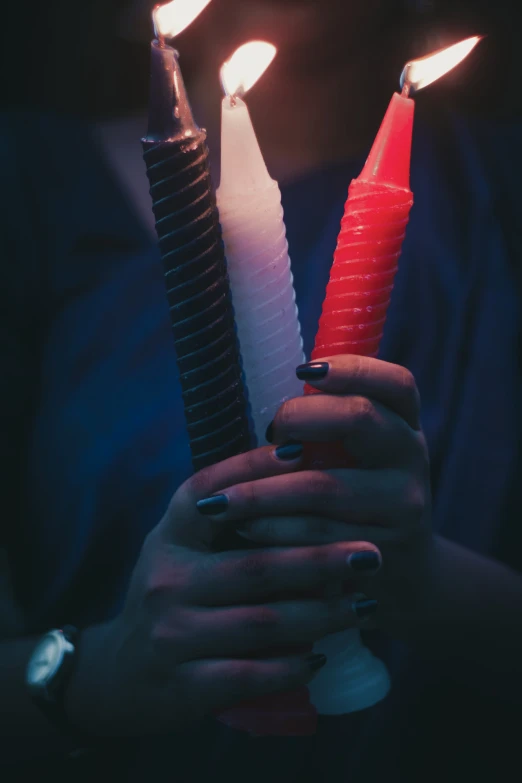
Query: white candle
pixel 251 215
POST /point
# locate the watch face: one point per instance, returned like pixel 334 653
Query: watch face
pixel 45 660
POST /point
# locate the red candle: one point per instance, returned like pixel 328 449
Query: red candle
pixel 367 256
pixel 372 232
pixel 370 242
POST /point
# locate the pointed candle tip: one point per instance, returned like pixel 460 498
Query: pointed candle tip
pixel 389 160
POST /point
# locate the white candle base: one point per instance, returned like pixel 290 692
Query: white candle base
pixel 353 678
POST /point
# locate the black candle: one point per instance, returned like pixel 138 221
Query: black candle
pixel 197 284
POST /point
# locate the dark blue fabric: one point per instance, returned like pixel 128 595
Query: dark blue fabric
pixel 92 408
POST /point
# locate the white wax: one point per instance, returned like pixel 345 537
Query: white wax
pixel 251 215
pixel 249 203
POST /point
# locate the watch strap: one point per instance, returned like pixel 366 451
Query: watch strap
pixel 51 704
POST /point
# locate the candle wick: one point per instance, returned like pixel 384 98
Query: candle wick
pixel 233 100
pixel 406 90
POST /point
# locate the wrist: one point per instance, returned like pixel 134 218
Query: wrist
pixel 88 696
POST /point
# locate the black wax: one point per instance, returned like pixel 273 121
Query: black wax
pixel 197 284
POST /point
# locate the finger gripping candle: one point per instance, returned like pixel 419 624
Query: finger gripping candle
pixel 197 284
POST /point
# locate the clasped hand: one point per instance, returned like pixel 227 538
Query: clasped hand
pixel 201 628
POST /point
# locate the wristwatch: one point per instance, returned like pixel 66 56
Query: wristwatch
pixel 49 671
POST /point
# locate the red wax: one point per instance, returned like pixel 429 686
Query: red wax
pixel 367 255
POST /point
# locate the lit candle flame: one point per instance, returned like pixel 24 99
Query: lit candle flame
pixel 420 73
pixel 171 19
pixel 246 66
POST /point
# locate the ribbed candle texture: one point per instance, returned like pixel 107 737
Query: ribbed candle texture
pixel 249 203
pixel 368 249
pixel 352 322
pixel 197 284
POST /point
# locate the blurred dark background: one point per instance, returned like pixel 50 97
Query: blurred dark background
pixel 70 56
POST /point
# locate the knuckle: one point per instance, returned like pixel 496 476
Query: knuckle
pixel 248 493
pixel 416 454
pixel 254 568
pixel 419 450
pixel 242 678
pixel 336 615
pixel 197 486
pixel 157 590
pixel 193 489
pixel 266 528
pixel 160 637
pixel 170 632
pixel 164 585
pixel 320 560
pixel 165 639
pixel 344 615
pixel 155 595
pixel 409 388
pixel 323 487
pixel 286 415
pixel 424 456
pixel 318 526
pixel 416 504
pixel 362 413
pixel 246 679
pixel 261 622
pixel 361 367
pixel 252 462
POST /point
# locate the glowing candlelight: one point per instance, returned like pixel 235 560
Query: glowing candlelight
pixel 420 73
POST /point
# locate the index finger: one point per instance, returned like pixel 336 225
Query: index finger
pixel 390 384
pixel 185 525
pixel 246 576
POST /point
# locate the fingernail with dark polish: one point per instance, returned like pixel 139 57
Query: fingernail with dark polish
pixel 316 662
pixel 289 451
pixel 314 371
pixel 365 607
pixel 269 435
pixel 367 560
pixel 217 504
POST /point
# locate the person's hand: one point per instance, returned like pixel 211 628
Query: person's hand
pixel 201 628
pixel 373 407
